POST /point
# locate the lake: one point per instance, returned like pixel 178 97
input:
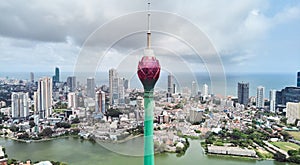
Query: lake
pixel 75 151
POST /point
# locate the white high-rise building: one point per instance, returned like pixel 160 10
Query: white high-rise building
pixel 272 101
pixel 260 93
pixel 90 87
pixel 19 104
pixel 44 97
pixel 35 102
pixel 72 100
pixel 205 91
pixel 292 112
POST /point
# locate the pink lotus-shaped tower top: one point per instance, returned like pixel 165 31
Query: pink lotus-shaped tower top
pixel 148 71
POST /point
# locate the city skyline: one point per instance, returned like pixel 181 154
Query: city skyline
pixel 252 33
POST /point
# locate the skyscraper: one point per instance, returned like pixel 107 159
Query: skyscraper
pixel 121 91
pixel 260 94
pixel 194 90
pixel 19 104
pixel 243 93
pixel 90 87
pixel 170 83
pixel 71 83
pixel 44 97
pixel 273 101
pixel 100 102
pixel 31 77
pixel 298 79
pixel 55 78
pixel 112 85
pixel 57 75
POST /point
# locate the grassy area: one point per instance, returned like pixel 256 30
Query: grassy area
pixel 263 154
pixel 296 135
pixel 286 145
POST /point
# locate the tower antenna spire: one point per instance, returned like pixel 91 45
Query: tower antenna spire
pixel 149 32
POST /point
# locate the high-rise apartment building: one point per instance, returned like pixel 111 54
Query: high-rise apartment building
pixel 90 87
pixel 243 93
pixel 44 97
pixel 260 94
pixel 121 91
pixel 19 105
pixel 72 100
pixel 112 85
pixel 272 101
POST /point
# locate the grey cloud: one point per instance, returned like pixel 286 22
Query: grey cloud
pixel 232 25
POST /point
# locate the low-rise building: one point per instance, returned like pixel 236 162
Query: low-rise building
pixel 231 151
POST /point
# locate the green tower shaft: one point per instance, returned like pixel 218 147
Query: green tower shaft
pixel 148 128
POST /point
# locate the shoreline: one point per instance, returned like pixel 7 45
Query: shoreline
pixel 37 141
pixel 130 137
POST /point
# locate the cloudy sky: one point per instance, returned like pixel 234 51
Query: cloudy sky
pixel 249 35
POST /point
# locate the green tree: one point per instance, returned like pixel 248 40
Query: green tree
pixel 113 112
pixel 280 157
pixel 24 136
pixel 63 125
pixel 283 120
pixel 47 132
pixel 294 159
pixel 75 120
pixel 31 123
pixel 14 128
pixel 286 135
pixel 293 152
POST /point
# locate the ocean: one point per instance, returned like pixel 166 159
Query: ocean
pixel 229 84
